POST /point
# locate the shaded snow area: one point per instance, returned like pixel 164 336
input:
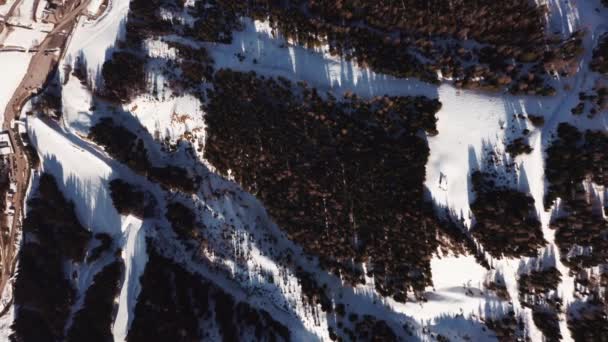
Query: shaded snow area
pixel 82 176
pixel 269 55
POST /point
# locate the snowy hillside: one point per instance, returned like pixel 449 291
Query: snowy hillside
pixel 260 171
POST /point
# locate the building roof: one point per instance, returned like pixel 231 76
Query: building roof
pixel 5 144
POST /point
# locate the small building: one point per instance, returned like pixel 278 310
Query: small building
pixel 6 147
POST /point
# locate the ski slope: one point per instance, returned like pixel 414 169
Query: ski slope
pixel 470 124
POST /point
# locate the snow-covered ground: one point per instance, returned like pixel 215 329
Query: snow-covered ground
pixel 82 176
pixel 95 39
pixel 12 76
pixel 6 7
pixel 135 256
pixel 94 6
pixel 22 37
pixel 470 124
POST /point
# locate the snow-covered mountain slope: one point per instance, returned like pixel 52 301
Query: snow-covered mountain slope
pixel 197 187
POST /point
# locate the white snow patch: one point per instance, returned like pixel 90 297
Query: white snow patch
pixel 95 40
pixel 458 283
pixel 76 103
pixel 11 76
pixel 171 117
pixel 94 6
pixel 82 177
pixel 135 257
pixel 24 38
pixel 6 7
pixel 24 13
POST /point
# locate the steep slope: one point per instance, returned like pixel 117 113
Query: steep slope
pixel 257 171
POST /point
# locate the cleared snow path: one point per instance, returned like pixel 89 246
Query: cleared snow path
pixel 135 256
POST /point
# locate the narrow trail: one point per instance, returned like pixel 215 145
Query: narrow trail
pixel 41 67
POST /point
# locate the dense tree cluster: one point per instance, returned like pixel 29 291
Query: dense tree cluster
pixel 120 143
pixel 537 291
pixel 581 226
pixel 126 147
pixel 332 173
pixel 216 21
pixel 48 103
pixel 362 328
pixel 572 158
pixel 592 102
pixel 93 322
pixel 518 146
pixel 312 292
pixel 454 238
pixel 588 321
pixel 183 221
pixel 599 62
pixel 144 20
pixel 124 76
pixel 536 120
pixel 482 44
pixel 370 328
pixel 175 305
pixel 506 223
pixel 43 294
pixel 129 199
pixel 195 64
pixel 415 39
pixel 508 328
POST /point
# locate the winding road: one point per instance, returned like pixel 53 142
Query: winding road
pixel 42 65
